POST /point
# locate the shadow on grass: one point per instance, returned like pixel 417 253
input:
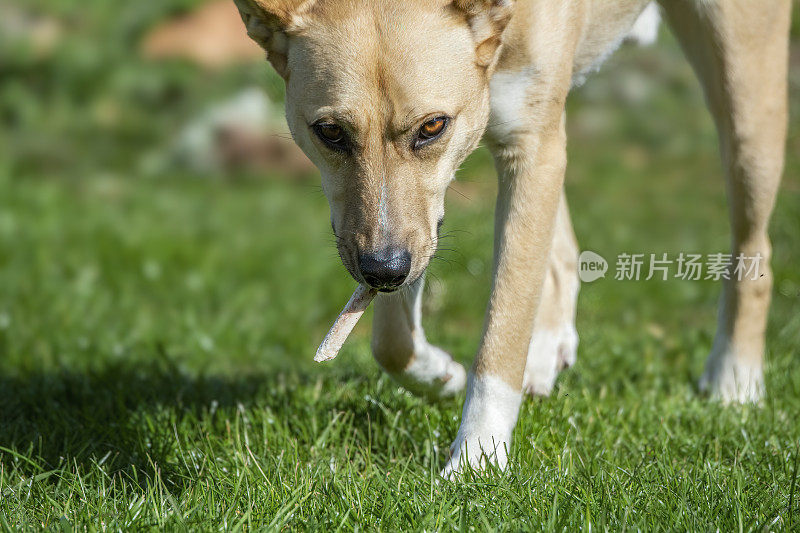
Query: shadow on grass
pixel 121 416
pixel 133 418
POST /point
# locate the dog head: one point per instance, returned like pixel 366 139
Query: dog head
pixel 387 98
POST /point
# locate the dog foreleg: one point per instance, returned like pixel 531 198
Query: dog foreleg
pixel 400 347
pixel 531 174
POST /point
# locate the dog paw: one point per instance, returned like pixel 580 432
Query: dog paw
pixel 433 374
pixel 487 422
pixel 476 452
pixel 730 381
pixel 550 351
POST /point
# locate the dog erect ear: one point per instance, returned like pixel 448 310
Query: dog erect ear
pixel 270 23
pixel 487 19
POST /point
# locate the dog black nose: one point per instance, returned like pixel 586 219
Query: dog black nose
pixel 386 269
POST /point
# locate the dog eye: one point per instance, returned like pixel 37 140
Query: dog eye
pixel 430 131
pixel 330 133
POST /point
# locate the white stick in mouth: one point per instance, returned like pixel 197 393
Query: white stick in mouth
pixel 345 323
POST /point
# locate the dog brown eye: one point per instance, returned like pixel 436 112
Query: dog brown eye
pixel 330 132
pixel 430 131
pixel 432 128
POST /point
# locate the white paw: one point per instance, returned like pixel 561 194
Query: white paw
pixel 476 452
pixel 550 351
pixel 432 373
pixel 484 437
pixel 731 381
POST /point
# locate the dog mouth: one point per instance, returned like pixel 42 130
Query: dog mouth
pixel 388 290
pixel 403 288
pixel 410 282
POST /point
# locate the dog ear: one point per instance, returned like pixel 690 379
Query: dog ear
pixel 270 23
pixel 487 19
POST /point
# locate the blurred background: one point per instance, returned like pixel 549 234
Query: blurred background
pixel 158 226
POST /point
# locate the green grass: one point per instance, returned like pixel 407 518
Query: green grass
pixel 156 332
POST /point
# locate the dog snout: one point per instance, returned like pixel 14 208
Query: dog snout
pixel 386 269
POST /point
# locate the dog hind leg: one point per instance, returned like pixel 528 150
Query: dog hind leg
pixel 554 343
pixel 739 52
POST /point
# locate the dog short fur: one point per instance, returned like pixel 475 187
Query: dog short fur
pixel 378 74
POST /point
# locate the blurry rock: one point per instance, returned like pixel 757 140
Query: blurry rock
pixel 238 148
pixel 212 36
pixel 245 132
pixel 18 25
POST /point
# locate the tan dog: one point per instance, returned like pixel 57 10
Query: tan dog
pixel 387 98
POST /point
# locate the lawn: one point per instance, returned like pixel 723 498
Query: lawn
pixel 157 329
